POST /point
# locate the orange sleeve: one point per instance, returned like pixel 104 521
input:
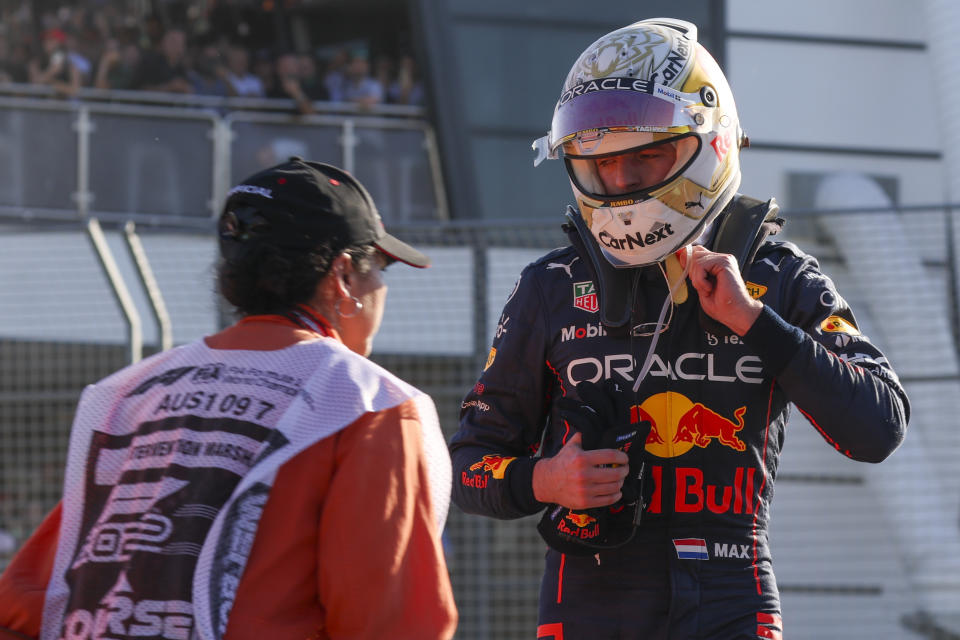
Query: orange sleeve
pixel 23 586
pixel 382 573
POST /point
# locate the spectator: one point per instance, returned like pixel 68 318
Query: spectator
pixel 288 83
pixel 209 75
pixel 166 69
pixel 310 80
pixel 84 42
pixel 13 60
pixel 360 87
pixel 264 70
pixel 118 66
pixel 53 66
pixel 152 33
pixel 335 76
pixel 406 88
pixel 383 70
pixel 242 82
pixel 75 54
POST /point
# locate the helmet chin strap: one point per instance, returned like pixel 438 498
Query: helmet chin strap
pixel 648 361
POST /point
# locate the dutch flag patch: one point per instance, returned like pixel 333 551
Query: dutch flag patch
pixel 691 548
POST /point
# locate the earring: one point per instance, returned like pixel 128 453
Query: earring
pixel 357 307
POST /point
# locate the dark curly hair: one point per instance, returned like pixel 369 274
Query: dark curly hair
pixel 258 277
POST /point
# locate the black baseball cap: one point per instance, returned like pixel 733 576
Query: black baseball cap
pixel 303 203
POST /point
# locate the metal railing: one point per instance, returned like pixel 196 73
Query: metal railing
pixel 171 164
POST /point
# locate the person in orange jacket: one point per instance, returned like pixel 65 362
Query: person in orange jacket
pixel 265 481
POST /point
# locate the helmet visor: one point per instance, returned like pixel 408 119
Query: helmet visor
pixel 627 105
pixel 632 171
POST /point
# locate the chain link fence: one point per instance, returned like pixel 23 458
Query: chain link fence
pixel 862 551
pixel 844 540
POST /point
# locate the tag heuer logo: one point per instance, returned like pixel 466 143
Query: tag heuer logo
pixel 756 291
pixel 585 297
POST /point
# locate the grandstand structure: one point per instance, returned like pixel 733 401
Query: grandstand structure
pixel 107 204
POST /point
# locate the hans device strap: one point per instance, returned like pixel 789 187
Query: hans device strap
pixel 742 227
pixel 615 310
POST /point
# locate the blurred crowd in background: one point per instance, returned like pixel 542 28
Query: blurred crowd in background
pixel 113 44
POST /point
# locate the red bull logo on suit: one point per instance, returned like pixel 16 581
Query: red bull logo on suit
pixel 495 464
pixel 584 527
pixel 492 464
pixel 677 425
pixel 580 519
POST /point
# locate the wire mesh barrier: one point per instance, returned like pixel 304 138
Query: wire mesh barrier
pixel 861 551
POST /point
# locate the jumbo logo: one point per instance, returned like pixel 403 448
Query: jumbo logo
pixel 677 425
pixel 495 464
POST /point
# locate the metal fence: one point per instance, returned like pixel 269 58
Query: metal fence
pixel 861 551
pixel 843 566
pixel 171 164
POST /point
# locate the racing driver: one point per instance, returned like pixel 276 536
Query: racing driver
pixel 640 379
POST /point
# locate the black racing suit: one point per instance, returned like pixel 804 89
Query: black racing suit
pixel 699 565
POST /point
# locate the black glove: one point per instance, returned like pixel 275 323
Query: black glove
pixel 603 417
pixel 607 409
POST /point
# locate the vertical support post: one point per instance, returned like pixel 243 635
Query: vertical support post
pixel 436 173
pixel 149 282
pixel 119 289
pixel 83 126
pixel 222 136
pixel 348 142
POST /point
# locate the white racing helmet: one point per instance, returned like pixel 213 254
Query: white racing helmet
pixel 648 131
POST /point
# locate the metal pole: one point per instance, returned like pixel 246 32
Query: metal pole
pixel 348 141
pixel 83 126
pixel 119 289
pixel 149 282
pixel 436 173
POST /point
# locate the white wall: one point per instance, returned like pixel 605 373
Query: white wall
pixel 829 85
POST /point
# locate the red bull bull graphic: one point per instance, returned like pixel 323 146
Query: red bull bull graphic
pixel 701 425
pixel 677 425
pixel 493 464
pixel 637 414
pixel 584 527
pixel 580 519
